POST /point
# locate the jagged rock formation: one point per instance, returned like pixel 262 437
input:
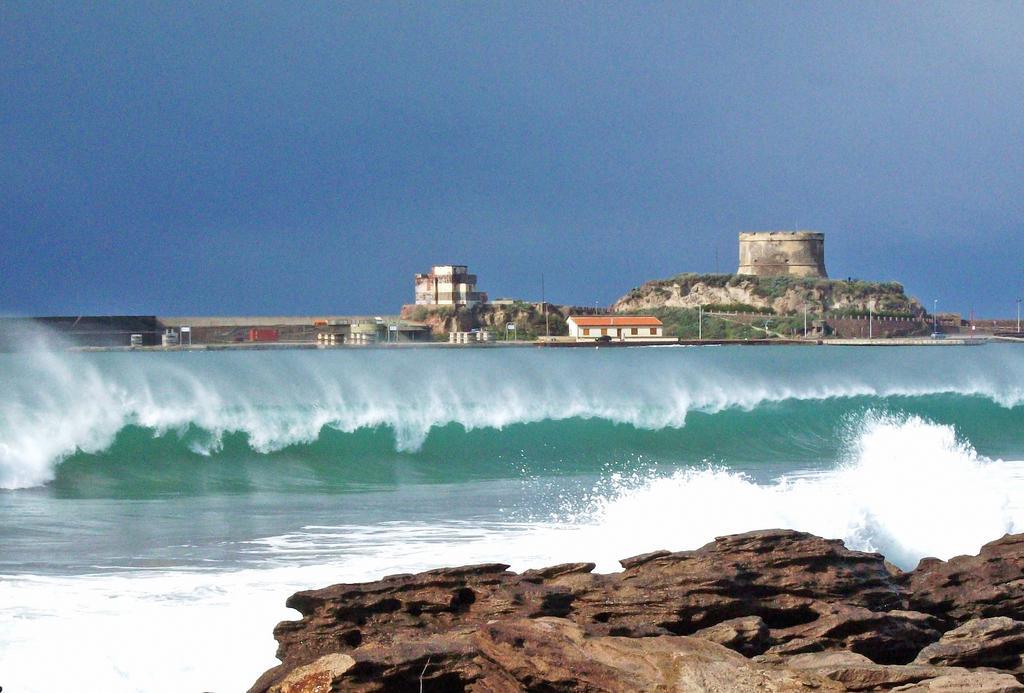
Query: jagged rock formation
pixel 966 587
pixel 528 318
pixel 774 610
pixel 981 642
pixel 784 295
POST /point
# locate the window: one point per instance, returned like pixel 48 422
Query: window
pixel 634 331
pixel 654 330
pixel 586 331
pixel 604 331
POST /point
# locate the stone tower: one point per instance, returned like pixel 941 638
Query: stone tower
pixel 782 254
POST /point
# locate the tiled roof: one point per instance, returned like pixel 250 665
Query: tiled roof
pixel 615 320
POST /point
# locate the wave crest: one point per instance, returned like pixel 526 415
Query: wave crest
pixel 57 404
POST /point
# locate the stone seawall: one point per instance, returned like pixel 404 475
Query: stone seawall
pixel 862 327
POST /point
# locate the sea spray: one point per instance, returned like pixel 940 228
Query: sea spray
pixel 870 501
pixel 58 404
pixel 190 621
pixel 909 489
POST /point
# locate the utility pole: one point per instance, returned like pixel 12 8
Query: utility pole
pixel 1018 320
pixel 544 307
pixel 700 322
pixel 805 321
pixel 870 330
pixel 935 316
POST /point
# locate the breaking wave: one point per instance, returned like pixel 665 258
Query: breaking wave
pixel 908 487
pixel 59 404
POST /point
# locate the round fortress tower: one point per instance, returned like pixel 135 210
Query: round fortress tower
pixel 782 253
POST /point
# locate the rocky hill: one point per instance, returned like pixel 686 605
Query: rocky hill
pixel 528 318
pixel 774 610
pixel 781 295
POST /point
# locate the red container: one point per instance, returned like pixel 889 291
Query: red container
pixel 262 334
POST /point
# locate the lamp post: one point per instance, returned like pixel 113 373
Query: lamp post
pixel 871 334
pixel 935 316
pixel 1018 317
pixel 700 322
pixel 805 321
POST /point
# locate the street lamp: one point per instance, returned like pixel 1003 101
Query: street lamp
pixel 935 316
pixel 700 322
pixel 1018 317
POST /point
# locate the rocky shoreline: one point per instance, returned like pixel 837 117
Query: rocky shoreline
pixel 772 610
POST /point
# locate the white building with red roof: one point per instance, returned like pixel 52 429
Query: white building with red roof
pixel 615 328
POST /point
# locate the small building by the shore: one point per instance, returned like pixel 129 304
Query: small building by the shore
pixel 322 330
pixel 616 328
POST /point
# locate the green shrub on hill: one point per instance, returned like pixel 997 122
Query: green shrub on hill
pixel 858 313
pixel 773 287
pixel 816 293
pixel 683 323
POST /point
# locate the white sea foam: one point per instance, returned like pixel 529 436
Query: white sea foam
pixel 910 488
pixel 55 404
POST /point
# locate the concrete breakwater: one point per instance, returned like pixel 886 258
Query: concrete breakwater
pixel 112 331
pixel 116 333
pixel 905 341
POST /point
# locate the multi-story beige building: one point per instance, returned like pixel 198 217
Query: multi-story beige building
pixel 448 285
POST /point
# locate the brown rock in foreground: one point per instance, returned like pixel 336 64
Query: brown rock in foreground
pixel 885 637
pixel 984 642
pixel 827 618
pixel 553 654
pixel 856 672
pixel 966 587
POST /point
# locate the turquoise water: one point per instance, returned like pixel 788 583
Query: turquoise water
pixel 147 492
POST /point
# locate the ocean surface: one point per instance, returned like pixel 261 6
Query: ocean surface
pixel 157 508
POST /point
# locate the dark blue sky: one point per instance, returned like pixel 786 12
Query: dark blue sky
pixel 222 158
